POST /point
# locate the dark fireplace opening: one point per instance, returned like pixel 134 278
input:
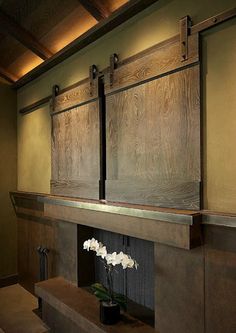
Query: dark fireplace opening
pixel 136 285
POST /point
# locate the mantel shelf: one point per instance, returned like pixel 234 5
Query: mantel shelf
pixel 178 228
pixel 189 217
pixel 171 215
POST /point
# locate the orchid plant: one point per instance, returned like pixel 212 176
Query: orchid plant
pixel 110 260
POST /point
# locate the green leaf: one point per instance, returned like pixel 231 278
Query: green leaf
pixel 122 304
pixel 102 296
pixel 99 287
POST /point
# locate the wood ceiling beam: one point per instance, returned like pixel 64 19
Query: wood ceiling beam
pixel 118 17
pixel 9 25
pixel 11 78
pixel 96 9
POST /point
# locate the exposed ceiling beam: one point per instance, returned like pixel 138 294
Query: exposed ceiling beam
pixel 9 25
pixel 11 78
pixel 96 9
pixel 118 17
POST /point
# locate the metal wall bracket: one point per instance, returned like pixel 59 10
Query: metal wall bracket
pixel 185 26
pixel 55 92
pixel 92 75
pixel 113 65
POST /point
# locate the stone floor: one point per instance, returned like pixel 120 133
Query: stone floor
pixel 16 316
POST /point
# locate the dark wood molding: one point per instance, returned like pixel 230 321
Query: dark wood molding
pixel 11 78
pixel 8 280
pixel 9 25
pixel 213 21
pixel 36 105
pixel 96 9
pixel 120 16
pixel 219 219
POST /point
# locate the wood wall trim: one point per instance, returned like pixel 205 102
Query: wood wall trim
pixel 213 21
pixel 34 106
pixel 219 219
pixel 35 201
pixel 8 280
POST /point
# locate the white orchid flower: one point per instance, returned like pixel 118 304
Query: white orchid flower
pixel 86 245
pixel 94 245
pixel 128 262
pixel 112 259
pixel 119 257
pixel 101 251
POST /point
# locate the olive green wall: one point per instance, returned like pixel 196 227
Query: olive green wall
pixel 156 23
pixel 219 98
pixel 7 180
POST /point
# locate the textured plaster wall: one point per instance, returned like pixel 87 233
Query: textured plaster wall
pixel 7 180
pixel 219 110
pixel 155 24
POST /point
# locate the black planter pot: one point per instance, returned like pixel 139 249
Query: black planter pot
pixel 109 313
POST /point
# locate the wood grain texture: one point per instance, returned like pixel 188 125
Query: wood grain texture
pixel 220 279
pixel 28 202
pixel 76 96
pixel 75 152
pixel 156 61
pixel 153 137
pixel 30 236
pixel 82 308
pixel 161 193
pixel 57 322
pixel 80 188
pixel 179 295
pixel 61 240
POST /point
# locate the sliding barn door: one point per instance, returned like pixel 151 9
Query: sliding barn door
pixel 75 142
pixel 153 128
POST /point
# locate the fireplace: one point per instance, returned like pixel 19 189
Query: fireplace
pixel 169 278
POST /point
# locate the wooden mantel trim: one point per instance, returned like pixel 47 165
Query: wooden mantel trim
pixel 218 218
pixel 178 228
pixel 171 215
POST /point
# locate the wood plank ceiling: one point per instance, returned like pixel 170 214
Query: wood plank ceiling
pixel 32 31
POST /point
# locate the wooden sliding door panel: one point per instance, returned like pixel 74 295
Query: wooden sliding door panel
pixel 153 142
pixel 75 152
